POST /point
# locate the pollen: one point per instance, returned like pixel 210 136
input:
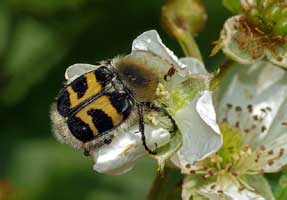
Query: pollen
pixel 162 92
pixel 152 117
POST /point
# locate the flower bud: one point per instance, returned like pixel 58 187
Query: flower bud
pixel 183 16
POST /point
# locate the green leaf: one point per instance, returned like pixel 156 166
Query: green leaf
pixel 233 5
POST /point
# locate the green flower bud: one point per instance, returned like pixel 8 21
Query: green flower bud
pixel 183 19
pixel 177 16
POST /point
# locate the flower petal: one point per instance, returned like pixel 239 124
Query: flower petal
pixel 120 155
pixel 262 85
pixel 197 123
pixel 76 70
pixel 193 65
pixel 151 42
pixel 276 141
pixel 260 185
pixel 227 188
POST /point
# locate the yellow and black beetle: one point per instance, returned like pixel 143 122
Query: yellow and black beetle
pixel 93 105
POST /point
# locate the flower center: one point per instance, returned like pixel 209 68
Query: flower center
pixel 232 140
pixel 242 152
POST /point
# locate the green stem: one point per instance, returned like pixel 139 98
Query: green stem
pixel 189 45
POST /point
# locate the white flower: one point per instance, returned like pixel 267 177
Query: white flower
pixel 251 104
pixel 187 99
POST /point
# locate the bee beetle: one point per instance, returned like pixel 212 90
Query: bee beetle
pixel 100 101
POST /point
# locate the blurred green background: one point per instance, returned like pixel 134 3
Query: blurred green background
pixel 39 39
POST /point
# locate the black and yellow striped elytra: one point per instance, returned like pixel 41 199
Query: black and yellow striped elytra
pixel 93 104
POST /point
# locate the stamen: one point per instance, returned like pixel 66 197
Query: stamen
pixel 229 106
pixel 250 108
pixel 187 166
pixel 261 171
pixel 281 152
pixel 228 167
pixel 270 162
pixel 235 174
pixel 246 130
pixel 262 148
pixel 257 158
pixel 263 128
pixel 255 117
pixel 263 110
pixel 238 109
pixel 271 152
pixel 237 124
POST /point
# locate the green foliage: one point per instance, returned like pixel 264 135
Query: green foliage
pixel 233 5
pixel 46 169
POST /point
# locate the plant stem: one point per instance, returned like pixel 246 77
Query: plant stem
pixel 189 45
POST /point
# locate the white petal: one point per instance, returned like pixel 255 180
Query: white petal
pixel 76 70
pixel 197 123
pixel 276 140
pixel 260 185
pixel 262 85
pixel 151 42
pixel 228 189
pixel 120 156
pixel 193 65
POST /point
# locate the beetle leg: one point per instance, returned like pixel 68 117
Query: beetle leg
pixel 164 111
pixel 141 129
